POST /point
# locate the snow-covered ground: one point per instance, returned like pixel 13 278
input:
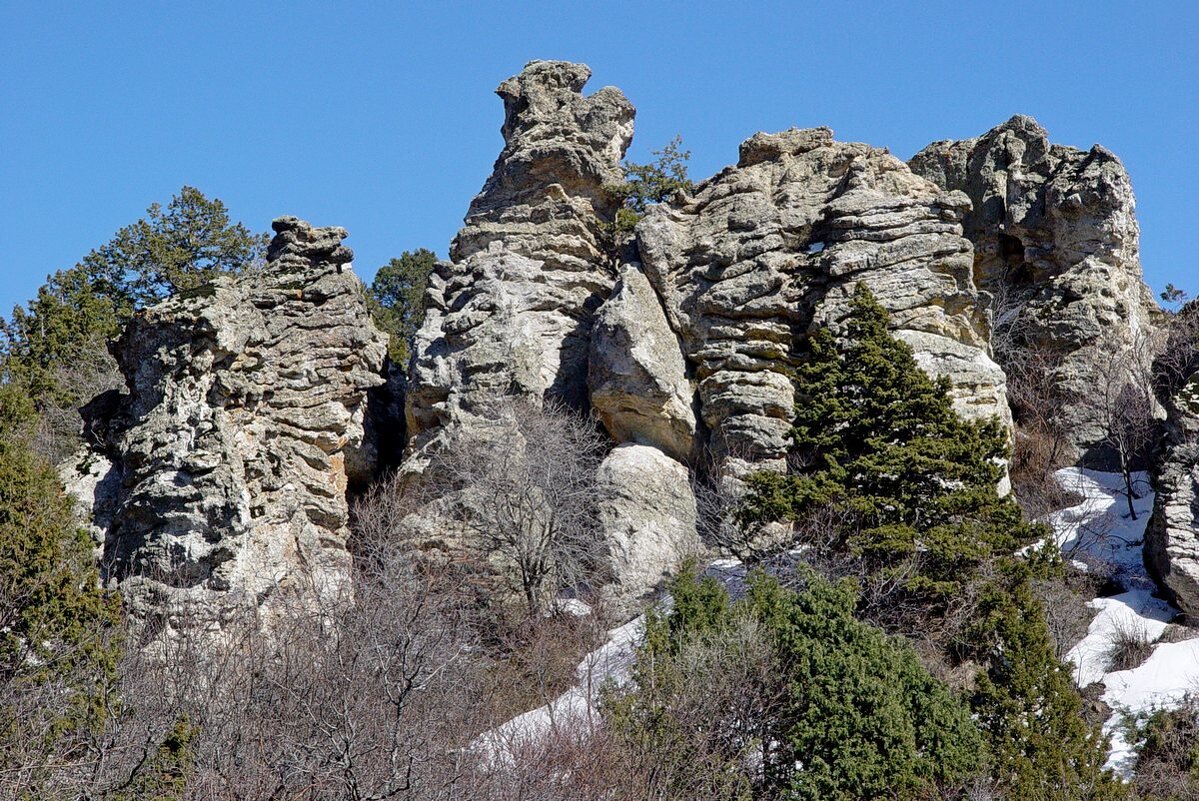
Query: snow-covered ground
pixel 1101 528
pixel 1098 533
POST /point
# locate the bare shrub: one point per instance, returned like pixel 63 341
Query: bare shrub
pixel 1167 765
pixel 525 495
pixel 1067 614
pixel 1130 645
pixel 717 707
pixel 1036 456
pixel 1178 632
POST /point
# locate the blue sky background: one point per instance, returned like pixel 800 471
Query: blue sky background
pixel 380 116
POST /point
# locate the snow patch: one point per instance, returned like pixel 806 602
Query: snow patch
pixel 1099 533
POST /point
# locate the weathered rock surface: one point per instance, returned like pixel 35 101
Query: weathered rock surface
pixel 1172 536
pixel 218 480
pixel 512 310
pixel 648 517
pixel 1056 239
pixel 637 374
pixel 773 246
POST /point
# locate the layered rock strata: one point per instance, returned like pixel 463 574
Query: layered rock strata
pixel 1056 245
pixel 773 246
pixel 1172 536
pixel 217 481
pixel 511 312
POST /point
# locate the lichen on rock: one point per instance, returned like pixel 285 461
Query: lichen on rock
pixel 218 479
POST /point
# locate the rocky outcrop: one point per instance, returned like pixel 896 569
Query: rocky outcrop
pixel 1056 245
pixel 1172 536
pixel 218 479
pixel 639 379
pixel 773 246
pixel 512 310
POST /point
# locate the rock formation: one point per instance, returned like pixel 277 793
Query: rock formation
pixel 512 310
pixel 1172 536
pixel 683 349
pixel 1056 242
pixel 217 481
pixel 773 246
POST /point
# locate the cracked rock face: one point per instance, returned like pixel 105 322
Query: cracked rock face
pixel 218 481
pixel 773 246
pixel 1056 238
pixel 648 514
pixel 512 310
pixel 1172 536
pixel 639 380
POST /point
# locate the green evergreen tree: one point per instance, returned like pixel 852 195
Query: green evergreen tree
pixel 877 438
pixel 57 627
pixel 174 249
pixel 397 299
pixel 857 717
pixel 655 182
pixel 67 325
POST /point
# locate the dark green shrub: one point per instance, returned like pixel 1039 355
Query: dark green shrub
pixel 834 709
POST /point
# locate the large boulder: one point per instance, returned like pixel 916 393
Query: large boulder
pixel 1056 243
pixel 637 374
pixel 767 249
pixel 648 518
pixel 511 311
pixel 217 481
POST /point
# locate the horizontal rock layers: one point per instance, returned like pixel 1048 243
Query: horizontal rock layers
pixel 1172 536
pixel 218 479
pixel 512 310
pixel 773 246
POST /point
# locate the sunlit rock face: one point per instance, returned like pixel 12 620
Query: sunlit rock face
pixel 217 481
pixel 511 312
pixel 770 248
pixel 1172 537
pixel 1055 237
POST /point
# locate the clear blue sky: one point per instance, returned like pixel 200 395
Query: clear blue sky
pixel 380 116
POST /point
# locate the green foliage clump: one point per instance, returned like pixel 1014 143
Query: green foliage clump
pixel 174 249
pixel 163 776
pixel 852 713
pixel 66 326
pixel 397 299
pixel 57 626
pixel 1026 701
pixel 878 440
pixel 655 182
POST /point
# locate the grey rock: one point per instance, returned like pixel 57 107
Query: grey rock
pixel 648 518
pixel 637 374
pixel 1172 536
pixel 1055 234
pixel 770 248
pixel 512 310
pixel 218 480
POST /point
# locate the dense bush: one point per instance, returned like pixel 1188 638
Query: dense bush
pixel 843 712
pixel 925 530
pixel 58 647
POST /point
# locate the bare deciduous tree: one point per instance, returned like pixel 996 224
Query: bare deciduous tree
pixel 526 495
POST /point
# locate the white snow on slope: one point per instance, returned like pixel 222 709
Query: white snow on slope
pixel 1099 533
pixel 609 665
